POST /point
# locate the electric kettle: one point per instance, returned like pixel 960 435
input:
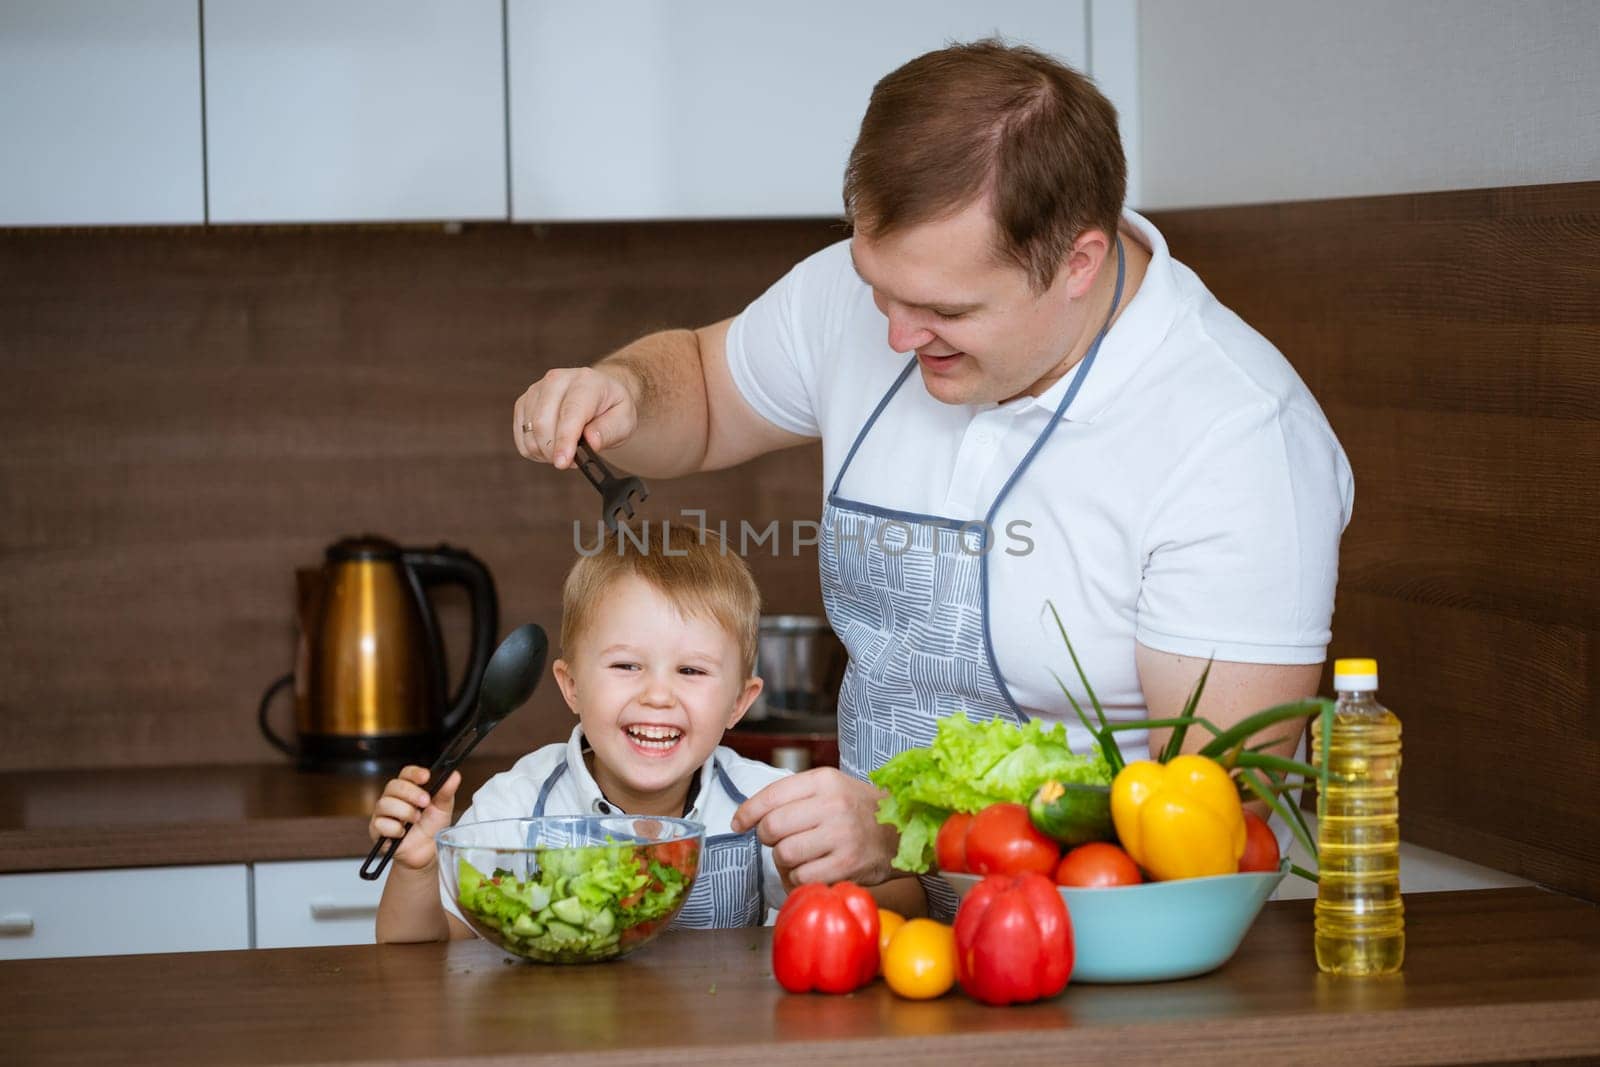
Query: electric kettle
pixel 370 677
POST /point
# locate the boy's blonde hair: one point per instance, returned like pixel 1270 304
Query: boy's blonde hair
pixel 690 567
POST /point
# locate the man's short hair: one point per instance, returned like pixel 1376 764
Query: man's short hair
pixel 690 567
pixel 989 119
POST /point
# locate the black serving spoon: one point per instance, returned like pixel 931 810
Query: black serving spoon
pixel 508 681
pixel 617 495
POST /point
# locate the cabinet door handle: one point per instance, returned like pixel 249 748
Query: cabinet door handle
pixel 16 925
pixel 322 911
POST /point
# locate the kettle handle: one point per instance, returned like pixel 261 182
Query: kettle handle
pixel 261 716
pixel 446 565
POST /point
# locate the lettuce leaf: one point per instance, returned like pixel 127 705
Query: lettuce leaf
pixel 660 896
pixel 968 767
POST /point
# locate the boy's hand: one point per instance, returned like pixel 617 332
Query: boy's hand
pixel 405 801
pixel 822 826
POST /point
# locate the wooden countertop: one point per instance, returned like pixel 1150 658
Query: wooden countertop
pixel 151 817
pixel 1490 976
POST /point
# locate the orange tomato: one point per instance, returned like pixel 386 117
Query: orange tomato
pixel 888 923
pixel 920 962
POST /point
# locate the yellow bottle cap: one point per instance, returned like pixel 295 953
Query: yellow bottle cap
pixel 1355 674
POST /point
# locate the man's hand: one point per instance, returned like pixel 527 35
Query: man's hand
pixel 822 826
pixel 569 403
pixel 664 406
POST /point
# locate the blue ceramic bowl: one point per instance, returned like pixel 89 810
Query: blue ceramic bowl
pixel 1158 931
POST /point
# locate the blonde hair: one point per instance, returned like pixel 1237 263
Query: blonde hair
pixel 690 567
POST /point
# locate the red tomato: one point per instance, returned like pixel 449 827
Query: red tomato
pixel 1003 840
pixel 951 845
pixel 1098 865
pixel 683 855
pixel 1260 845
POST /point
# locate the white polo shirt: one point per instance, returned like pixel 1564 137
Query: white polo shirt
pixel 514 794
pixel 1190 500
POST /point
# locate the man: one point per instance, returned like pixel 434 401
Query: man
pixel 1080 424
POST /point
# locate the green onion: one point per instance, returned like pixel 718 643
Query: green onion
pixel 1108 746
pixel 1261 773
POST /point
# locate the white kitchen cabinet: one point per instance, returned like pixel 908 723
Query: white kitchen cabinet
pixel 100 112
pixel 721 108
pixel 116 912
pixel 320 902
pixel 355 110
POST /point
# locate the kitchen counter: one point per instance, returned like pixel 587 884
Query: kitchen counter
pixel 150 817
pixel 1491 976
pixel 157 817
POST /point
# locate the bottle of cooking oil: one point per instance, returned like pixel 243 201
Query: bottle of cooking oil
pixel 1360 924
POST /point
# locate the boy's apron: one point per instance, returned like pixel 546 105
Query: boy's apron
pixel 910 601
pixel 727 891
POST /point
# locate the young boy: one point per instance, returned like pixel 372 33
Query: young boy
pixel 659 648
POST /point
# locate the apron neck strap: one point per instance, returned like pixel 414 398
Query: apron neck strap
pixel 1084 366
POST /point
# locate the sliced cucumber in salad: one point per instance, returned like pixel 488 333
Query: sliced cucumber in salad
pixel 581 905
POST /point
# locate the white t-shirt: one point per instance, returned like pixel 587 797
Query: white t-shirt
pixel 1191 499
pixel 513 794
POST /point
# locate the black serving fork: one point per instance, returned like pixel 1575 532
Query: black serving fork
pixel 618 495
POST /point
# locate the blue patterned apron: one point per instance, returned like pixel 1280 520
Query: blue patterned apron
pixel 910 602
pixel 728 890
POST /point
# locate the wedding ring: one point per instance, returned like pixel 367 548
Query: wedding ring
pixel 527 427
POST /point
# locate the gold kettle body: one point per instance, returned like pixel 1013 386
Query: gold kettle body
pixel 369 678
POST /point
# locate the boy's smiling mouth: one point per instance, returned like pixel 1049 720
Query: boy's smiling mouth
pixel 652 739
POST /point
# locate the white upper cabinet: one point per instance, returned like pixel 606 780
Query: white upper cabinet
pixel 638 109
pixel 246 111
pixel 100 112
pixel 354 110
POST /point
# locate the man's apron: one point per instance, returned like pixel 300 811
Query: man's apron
pixel 908 595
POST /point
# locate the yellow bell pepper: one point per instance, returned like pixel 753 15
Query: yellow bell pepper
pixel 1180 819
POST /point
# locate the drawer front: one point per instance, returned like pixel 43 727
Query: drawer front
pixel 117 912
pixel 322 902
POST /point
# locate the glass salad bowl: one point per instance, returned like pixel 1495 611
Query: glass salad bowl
pixel 570 889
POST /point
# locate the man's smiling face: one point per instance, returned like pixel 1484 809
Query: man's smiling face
pixel 980 331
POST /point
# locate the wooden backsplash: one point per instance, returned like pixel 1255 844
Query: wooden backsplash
pixel 190 415
pixel 1454 341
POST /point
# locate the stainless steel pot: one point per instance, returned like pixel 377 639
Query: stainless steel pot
pixel 802 662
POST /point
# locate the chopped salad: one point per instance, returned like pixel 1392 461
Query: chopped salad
pixel 585 903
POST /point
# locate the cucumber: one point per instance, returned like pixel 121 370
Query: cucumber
pixel 1071 813
pixel 569 910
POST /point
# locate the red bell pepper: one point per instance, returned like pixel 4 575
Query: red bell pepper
pixel 1013 940
pixel 826 939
